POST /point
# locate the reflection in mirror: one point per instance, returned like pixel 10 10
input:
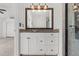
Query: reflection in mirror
pixel 77 25
pixel 39 19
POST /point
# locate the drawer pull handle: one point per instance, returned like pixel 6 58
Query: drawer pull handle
pixel 51 34
pixel 28 38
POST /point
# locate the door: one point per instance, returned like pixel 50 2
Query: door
pixel 10 28
pixel 73 31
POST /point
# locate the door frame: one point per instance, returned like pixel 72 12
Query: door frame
pixel 66 29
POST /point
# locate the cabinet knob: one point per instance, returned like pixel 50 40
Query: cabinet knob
pixel 51 49
pixel 51 40
pixel 41 49
pixel 41 40
pixel 28 38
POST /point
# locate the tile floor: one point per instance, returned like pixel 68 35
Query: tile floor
pixel 6 46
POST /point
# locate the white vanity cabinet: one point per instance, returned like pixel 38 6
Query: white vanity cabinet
pixel 39 43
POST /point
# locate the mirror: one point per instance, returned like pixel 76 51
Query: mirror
pixel 39 19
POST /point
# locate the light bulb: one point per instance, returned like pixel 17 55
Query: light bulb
pixel 39 10
pixel 32 6
pixel 44 10
pixel 39 7
pixel 33 10
pixel 75 7
pixel 45 7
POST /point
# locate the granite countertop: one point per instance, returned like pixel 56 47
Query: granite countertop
pixel 39 30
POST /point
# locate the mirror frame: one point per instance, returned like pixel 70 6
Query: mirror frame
pixel 38 28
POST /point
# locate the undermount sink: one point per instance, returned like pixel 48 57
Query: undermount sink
pixel 35 31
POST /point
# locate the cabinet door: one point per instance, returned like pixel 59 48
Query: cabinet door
pixel 36 44
pixel 24 44
pixel 32 45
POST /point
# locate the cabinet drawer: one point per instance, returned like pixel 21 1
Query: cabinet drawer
pixel 25 35
pixel 52 41
pixel 52 35
pixel 51 50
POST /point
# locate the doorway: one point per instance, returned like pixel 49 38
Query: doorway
pixel 10 28
pixel 7 42
pixel 72 31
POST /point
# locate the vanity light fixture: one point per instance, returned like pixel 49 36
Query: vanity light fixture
pixel 39 7
pixel 76 7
